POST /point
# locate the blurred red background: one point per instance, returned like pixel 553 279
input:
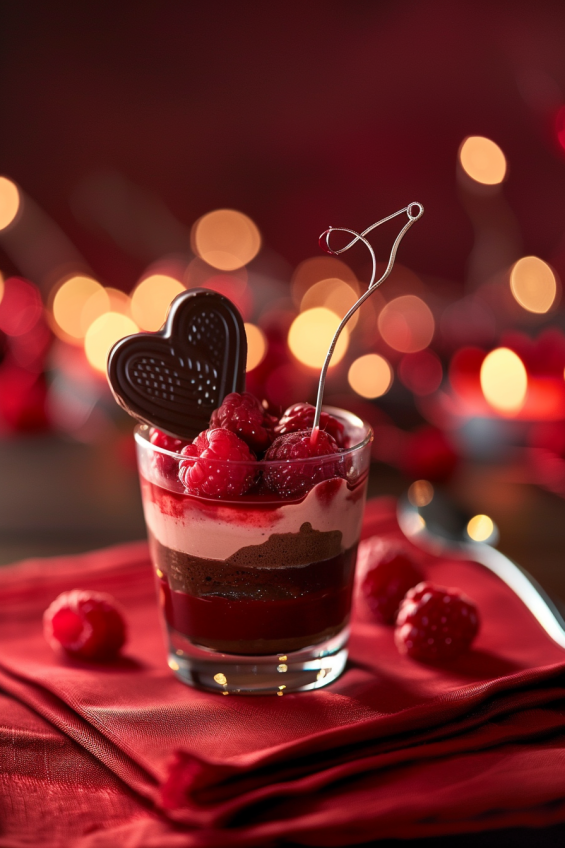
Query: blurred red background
pixel 300 115
pixel 124 123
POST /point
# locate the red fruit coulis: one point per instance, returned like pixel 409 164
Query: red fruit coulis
pixel 252 626
pixel 298 605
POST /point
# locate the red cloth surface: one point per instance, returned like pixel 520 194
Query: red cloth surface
pixel 393 748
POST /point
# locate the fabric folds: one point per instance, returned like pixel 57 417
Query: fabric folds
pixel 123 753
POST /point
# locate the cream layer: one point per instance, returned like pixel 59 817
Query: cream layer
pixel 217 531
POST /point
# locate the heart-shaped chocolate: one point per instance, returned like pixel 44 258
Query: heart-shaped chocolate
pixel 175 378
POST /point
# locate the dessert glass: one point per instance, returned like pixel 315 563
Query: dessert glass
pixel 255 591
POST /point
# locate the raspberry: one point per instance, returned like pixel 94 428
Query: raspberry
pixel 290 479
pixel 220 465
pixel 300 416
pixel 389 573
pixel 435 624
pixel 87 625
pixel 165 465
pixel 244 416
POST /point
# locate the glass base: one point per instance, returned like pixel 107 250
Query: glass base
pixel 278 674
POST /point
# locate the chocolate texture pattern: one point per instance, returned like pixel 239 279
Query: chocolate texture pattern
pixel 175 378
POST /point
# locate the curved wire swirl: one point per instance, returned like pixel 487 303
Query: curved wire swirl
pixel 324 242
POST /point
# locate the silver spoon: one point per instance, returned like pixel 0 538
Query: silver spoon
pixel 437 527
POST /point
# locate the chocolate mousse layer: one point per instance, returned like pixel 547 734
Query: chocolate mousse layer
pixel 273 570
pixel 292 591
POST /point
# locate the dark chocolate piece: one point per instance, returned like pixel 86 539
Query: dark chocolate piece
pixel 175 378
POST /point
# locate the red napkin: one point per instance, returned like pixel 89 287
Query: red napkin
pixel 125 754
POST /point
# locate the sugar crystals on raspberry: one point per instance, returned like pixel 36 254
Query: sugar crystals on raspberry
pixel 244 416
pixel 87 625
pixel 218 464
pixel 435 624
pixel 300 416
pixel 294 479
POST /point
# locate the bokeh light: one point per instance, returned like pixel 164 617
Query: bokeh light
pixel 317 268
pixel 119 301
pixel 97 304
pixel 103 333
pixel 415 522
pixel 370 375
pixel 310 336
pixel 480 528
pixel 334 294
pixel 256 346
pixel 560 126
pixel 464 372
pixel 533 284
pixel 2 287
pixel 482 160
pixel 9 202
pixel 104 300
pixel 226 239
pixel 68 303
pixel 407 324
pixel 421 372
pixel 420 493
pixel 20 307
pixel 504 380
pixel 151 298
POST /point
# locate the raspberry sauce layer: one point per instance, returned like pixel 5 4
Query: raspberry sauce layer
pixel 256 575
pixel 264 599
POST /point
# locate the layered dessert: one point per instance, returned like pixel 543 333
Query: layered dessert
pixel 261 562
pixel 254 521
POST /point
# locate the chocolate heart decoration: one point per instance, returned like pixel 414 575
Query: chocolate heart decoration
pixel 175 378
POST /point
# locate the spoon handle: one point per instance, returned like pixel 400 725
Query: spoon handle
pixel 524 586
pixel 516 578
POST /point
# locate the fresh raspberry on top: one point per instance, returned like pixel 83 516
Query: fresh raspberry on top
pixel 87 625
pixel 290 479
pixel 435 624
pixel 244 416
pixel 389 573
pixel 218 464
pixel 165 465
pixel 300 416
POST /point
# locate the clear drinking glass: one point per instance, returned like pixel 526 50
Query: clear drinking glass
pixel 256 591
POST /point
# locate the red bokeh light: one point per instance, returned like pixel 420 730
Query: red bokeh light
pixel 560 126
pixel 23 327
pixel 464 372
pixel 543 356
pixel 421 372
pixel 20 307
pixel 22 400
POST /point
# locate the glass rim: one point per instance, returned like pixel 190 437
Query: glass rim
pixel 141 437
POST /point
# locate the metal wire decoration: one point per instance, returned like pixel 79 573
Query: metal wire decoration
pixel 414 211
